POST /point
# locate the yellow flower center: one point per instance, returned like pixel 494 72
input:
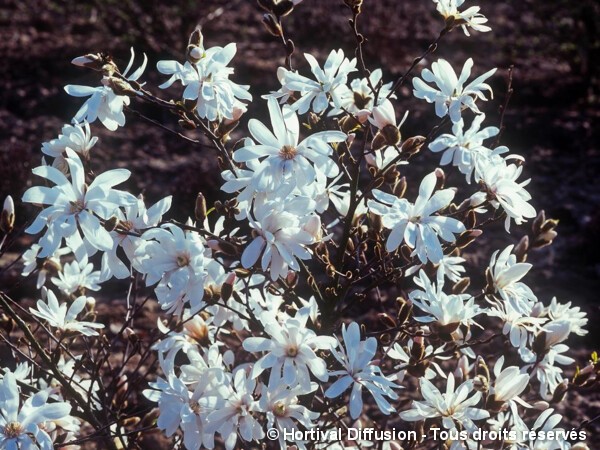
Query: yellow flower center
pixel 288 152
pixel 13 430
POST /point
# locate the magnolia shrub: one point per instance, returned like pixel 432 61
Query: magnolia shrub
pixel 278 319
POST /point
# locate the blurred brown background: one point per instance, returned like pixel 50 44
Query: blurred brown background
pixel 553 117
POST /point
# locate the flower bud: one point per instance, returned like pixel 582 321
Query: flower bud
pixel 93 61
pixel 200 208
pixel 7 219
pixel 271 25
pixel 386 320
pixel 481 383
pixel 560 391
pixel 461 285
pixel 111 224
pixel 413 145
pixel 400 188
pixel 6 323
pixel 196 38
pixel 348 124
pixel 119 86
pixel 467 237
pixel 227 287
pixel 282 7
pixel 391 133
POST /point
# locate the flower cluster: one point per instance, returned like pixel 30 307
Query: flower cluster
pixel 274 308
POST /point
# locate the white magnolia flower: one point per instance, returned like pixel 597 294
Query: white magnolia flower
pixel 384 116
pixel 207 81
pixel 134 218
pixel 78 137
pixel 408 361
pixel 360 372
pixel 504 191
pixel 282 157
pixel 445 310
pixel 519 324
pixel 280 238
pixel 283 411
pixel 505 274
pixel 176 260
pixel 509 383
pixel 576 318
pixel 329 84
pixel 50 264
pixel 545 425
pixel 77 276
pixel 186 406
pixel 416 223
pixel 236 414
pixel 196 331
pixel 64 317
pixel 23 427
pixel 547 373
pixel 451 267
pixel 359 99
pixel 74 205
pixel 470 17
pixel 291 352
pixel 451 96
pixel 103 103
pixel 464 148
pixel 453 407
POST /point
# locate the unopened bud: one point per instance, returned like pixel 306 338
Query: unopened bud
pixel 536 225
pixel 6 323
pixel 282 7
pixel 386 320
pixel 413 145
pixel 111 224
pixel 7 220
pixel 194 53
pixel 391 133
pixel 405 311
pixel 150 418
pixel 378 141
pixel 131 421
pixel 196 39
pixel 400 188
pixel 482 368
pixel 119 86
pixel 90 61
pixel 348 124
pixel 520 250
pixel 227 287
pixel 200 208
pixel 461 285
pixel 440 176
pixel 481 383
pixel 467 237
pixel 560 391
pixel 272 25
